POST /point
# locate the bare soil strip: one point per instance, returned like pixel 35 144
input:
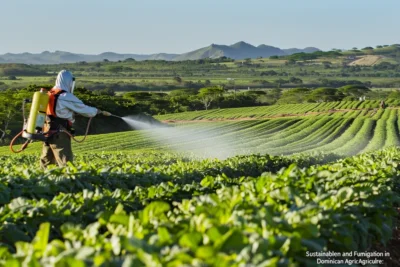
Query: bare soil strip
pixel 365 61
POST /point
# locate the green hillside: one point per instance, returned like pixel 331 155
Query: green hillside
pixel 380 50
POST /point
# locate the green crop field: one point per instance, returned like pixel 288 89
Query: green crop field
pixel 345 133
pixel 254 187
pixel 275 110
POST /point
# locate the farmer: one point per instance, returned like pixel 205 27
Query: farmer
pixel 60 115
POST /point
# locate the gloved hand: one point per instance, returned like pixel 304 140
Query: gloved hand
pixel 105 113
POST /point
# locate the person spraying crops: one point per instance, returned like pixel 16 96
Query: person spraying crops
pixel 61 108
pixel 50 120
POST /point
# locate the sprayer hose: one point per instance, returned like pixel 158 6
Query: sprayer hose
pixel 25 145
pixel 86 133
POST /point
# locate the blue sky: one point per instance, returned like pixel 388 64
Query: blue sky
pixel 177 26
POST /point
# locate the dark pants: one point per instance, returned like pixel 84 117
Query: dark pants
pixel 57 150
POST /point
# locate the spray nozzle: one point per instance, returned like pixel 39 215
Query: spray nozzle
pixel 106 113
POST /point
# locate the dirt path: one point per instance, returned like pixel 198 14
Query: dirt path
pixel 288 115
pixel 365 61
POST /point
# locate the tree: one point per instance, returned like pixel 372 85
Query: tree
pixel 190 84
pixel 130 60
pixel 385 66
pixel 269 73
pixel 9 108
pixel 293 96
pixel 21 70
pixel 208 94
pixel 115 69
pixel 275 93
pixel 105 91
pixel 280 82
pixel 295 80
pixel 354 90
pixel 79 91
pixel 256 92
pixel 182 92
pixel 327 64
pixel 325 94
pixel 138 96
pixel 178 79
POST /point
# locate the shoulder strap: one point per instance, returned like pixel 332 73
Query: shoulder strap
pixel 53 97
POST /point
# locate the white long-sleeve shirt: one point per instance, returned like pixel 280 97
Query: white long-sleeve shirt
pixel 67 104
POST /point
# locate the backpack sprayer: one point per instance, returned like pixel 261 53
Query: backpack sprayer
pixel 34 127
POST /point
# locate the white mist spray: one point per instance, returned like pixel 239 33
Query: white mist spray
pixel 202 141
pixel 218 140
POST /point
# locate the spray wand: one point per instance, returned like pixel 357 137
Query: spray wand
pixel 116 116
pixel 108 114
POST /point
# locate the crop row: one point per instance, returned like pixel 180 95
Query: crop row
pixel 268 111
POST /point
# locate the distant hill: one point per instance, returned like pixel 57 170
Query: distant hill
pixel 58 57
pixel 240 50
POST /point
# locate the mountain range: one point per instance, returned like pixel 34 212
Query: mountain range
pixel 240 50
